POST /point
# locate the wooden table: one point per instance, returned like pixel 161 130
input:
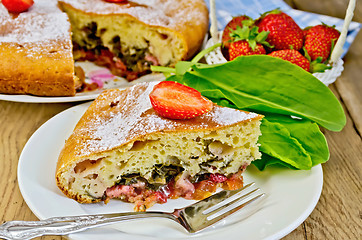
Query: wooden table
pixel 338 212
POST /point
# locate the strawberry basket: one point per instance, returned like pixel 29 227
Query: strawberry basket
pixel 327 77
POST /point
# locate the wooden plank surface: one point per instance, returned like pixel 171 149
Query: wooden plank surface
pixel 18 121
pixel 337 214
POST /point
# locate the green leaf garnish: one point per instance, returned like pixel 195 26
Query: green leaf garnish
pixel 268 84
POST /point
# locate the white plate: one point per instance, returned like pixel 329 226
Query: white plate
pixel 290 195
pixel 35 99
pixel 89 68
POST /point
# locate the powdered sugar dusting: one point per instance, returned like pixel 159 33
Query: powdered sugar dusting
pixel 123 123
pixel 4 14
pixel 153 12
pixel 35 28
pixel 43 26
pixel 227 116
pixel 45 6
pixel 118 117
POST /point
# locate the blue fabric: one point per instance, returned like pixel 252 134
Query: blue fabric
pixel 226 9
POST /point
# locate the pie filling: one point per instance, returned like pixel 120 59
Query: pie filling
pixel 126 63
pixel 169 183
pixel 190 165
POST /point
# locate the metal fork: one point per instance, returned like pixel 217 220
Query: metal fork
pixel 193 218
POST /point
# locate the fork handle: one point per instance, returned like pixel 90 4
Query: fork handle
pixel 21 230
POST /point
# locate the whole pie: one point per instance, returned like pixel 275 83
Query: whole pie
pixel 38 47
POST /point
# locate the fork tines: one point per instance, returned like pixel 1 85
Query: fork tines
pixel 218 203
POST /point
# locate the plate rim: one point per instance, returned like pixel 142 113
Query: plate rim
pixel 23 98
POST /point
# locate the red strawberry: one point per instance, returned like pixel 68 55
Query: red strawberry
pixel 242 48
pixel 176 101
pixel 236 21
pixel 17 6
pixel 292 56
pixel 247 41
pixel 284 31
pixel 319 41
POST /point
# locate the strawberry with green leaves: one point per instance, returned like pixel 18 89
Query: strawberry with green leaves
pixel 319 41
pixel 292 56
pixel 243 48
pixel 247 41
pixel 231 26
pixel 284 31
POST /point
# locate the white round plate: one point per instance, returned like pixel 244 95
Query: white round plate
pixel 89 69
pixel 290 195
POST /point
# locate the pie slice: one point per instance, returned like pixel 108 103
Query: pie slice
pixel 122 149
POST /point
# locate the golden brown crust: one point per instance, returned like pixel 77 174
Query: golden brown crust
pixel 36 55
pixel 45 73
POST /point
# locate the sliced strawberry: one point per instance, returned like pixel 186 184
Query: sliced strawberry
pixel 17 6
pixel 176 101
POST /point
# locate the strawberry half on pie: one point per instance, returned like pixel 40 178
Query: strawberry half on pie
pixel 122 148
